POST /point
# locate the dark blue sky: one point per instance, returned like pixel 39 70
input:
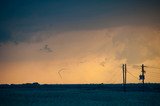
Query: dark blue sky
pixel 19 18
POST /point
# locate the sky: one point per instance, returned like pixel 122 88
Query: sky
pixel 79 41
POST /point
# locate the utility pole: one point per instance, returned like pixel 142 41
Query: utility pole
pixel 124 70
pixel 123 74
pixel 142 76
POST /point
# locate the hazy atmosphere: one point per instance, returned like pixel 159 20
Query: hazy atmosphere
pixel 73 41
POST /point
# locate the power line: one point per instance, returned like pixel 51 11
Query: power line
pixel 151 73
pixel 154 75
pixel 114 78
pixel 117 78
pixel 154 72
pixel 111 79
pixel 132 75
pixel 153 67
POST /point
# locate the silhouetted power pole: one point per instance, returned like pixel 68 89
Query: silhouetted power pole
pixel 124 70
pixel 125 73
pixel 142 76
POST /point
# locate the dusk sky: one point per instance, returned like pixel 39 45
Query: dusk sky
pixel 78 41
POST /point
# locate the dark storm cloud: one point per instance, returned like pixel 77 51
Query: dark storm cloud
pixel 20 19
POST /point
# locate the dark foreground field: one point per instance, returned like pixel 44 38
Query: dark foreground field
pixel 80 95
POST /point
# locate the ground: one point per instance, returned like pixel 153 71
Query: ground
pixel 76 97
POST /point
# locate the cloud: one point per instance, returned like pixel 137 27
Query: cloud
pixel 103 62
pixel 46 49
pixel 36 21
pixel 98 53
pixel 140 43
